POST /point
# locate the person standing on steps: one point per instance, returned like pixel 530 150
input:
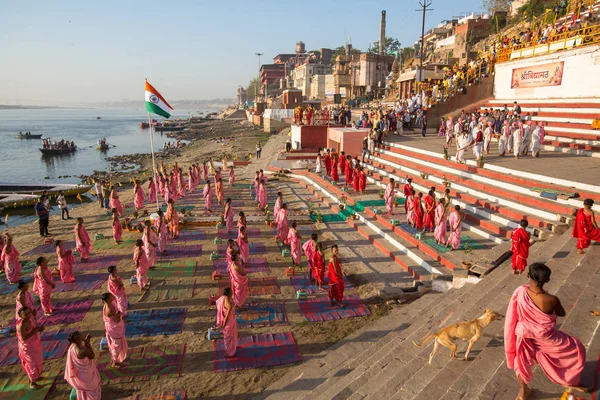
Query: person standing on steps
pixel 520 247
pixel 62 204
pixel 530 335
pixel 258 151
pixel 43 214
pixel 335 276
pixel 99 195
pixel 585 228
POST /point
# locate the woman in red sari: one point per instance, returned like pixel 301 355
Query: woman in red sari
pixel 419 212
pixel 319 264
pixel 335 276
pixel 362 180
pixel 586 228
pixel 349 172
pixel 334 167
pixel 356 182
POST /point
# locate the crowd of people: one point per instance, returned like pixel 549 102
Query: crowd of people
pixel 60 145
pixel 329 115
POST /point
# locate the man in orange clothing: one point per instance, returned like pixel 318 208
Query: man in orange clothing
pixel 335 277
pixel 520 247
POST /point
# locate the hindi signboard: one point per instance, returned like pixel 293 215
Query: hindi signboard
pixel 537 76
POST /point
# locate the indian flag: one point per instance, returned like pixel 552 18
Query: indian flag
pixel 155 103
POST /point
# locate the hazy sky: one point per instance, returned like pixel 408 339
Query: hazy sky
pixel 55 51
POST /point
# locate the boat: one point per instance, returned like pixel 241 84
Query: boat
pixel 169 127
pixel 144 125
pixel 58 152
pixel 102 146
pixel 97 117
pixel 30 136
pixel 14 195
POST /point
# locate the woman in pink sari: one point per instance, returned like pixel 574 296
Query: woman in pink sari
pixel 43 284
pixel 242 220
pixel 172 218
pixel 282 224
pixel 138 195
pixel 530 336
pixel 82 239
pixel 24 299
pixel 389 195
pixel 30 346
pixel 115 331
pixel 239 282
pixel 231 176
pixel 207 193
pixel 226 322
pixel 309 251
pixel 232 251
pixel 191 180
pixel 278 204
pixel 455 222
pixel 10 255
pixel 219 191
pixel 160 226
pixel 256 185
pixel 262 195
pixel 141 265
pixel 410 209
pixel 65 262
pixel 151 191
pixel 204 171
pixel 180 183
pixel 242 241
pixel 80 370
pixel 228 215
pixel 440 223
pixel 117 228
pixel 295 241
pixel 114 200
pixel 149 243
pixel 117 289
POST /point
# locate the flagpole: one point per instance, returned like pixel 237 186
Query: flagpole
pixel 153 161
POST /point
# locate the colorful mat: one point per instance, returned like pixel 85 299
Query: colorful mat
pixel 257 351
pixel 466 244
pixel 257 315
pixel 181 251
pixel 184 269
pixel 408 228
pixel 47 248
pixel 145 363
pixel 176 289
pixel 178 207
pixel 109 243
pixel 301 282
pixel 63 313
pixel 361 205
pixel 188 236
pixel 5 287
pixel 17 386
pixel 252 233
pixel 328 218
pixel 164 321
pixel 253 265
pixel 85 282
pixel 170 395
pixel 237 203
pixel 556 192
pixel 97 263
pixel 257 248
pixel 54 345
pixel 256 286
pixel 319 309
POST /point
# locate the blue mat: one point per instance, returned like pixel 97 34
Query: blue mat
pixel 257 315
pixel 409 229
pixel 166 321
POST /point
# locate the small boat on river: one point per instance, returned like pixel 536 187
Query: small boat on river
pixel 28 135
pixel 58 151
pixel 14 195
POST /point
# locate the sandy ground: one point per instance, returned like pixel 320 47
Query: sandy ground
pixel 197 376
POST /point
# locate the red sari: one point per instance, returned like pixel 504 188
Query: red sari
pixel 407 193
pixel 418 213
pixel 362 181
pixel 429 217
pixel 343 163
pixel 319 267
pixel 336 281
pixel 349 175
pixel 520 249
pixel 334 169
pixel 327 161
pixel 584 230
pixel 356 183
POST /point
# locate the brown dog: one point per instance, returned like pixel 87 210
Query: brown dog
pixel 467 330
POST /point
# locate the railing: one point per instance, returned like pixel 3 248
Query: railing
pixel 556 42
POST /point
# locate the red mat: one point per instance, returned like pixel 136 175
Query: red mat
pixel 319 309
pixel 97 263
pixel 64 313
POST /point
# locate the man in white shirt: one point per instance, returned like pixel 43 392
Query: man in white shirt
pixel 463 141
pixel 98 187
pixel 62 204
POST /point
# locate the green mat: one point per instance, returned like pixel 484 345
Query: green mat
pixel 361 205
pixel 328 218
pixel 553 191
pixel 465 244
pixel 17 387
pixel 109 243
pixel 347 212
pixel 175 269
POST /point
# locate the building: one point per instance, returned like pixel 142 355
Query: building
pixel 270 78
pixel 361 75
pixel 304 75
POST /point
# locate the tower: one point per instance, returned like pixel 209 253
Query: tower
pixel 382 34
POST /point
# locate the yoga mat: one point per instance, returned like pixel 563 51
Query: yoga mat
pixel 48 248
pixel 257 351
pixel 85 282
pixel 169 395
pixel 17 386
pixel 5 287
pixel 409 229
pixel 188 236
pixel 301 282
pixel 181 251
pixel 258 315
pixel 328 218
pixel 175 269
pixel 257 248
pixel 169 290
pixel 550 196
pixel 97 263
pixel 465 243
pixel 361 205
pixel 253 265
pixel 557 192
pixel 63 313
pixel 163 321
pixel 54 345
pixel 319 309
pixel 109 243
pixel 145 363
pixel 256 286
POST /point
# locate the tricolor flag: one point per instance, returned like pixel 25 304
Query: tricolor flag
pixel 155 103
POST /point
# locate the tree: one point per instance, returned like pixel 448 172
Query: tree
pixel 253 87
pixel 341 51
pixel 391 45
pixel 496 5
pixel 533 8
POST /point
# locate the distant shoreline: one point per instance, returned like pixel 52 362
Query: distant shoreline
pixel 7 107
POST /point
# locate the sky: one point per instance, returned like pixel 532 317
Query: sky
pixel 56 52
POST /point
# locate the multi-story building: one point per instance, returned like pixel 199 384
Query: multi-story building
pixel 304 75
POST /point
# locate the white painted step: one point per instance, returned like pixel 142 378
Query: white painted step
pixel 582 142
pixel 510 102
pixel 554 110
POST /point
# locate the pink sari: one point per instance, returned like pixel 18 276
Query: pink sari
pixel 277 207
pixel 282 225
pixel 229 330
pixel 151 192
pixel 161 229
pixel 117 230
pixel 231 177
pixel 30 353
pixel 138 201
pixel 148 248
pixel 82 374
pixel 454 238
pixel 12 266
pixel 389 198
pixel 295 246
pixel 115 338
pixel 239 286
pixel 229 218
pixel 207 193
pixel 120 294
pixel 262 196
pixel 143 267
pixel 115 202
pixel 42 289
pixel 440 228
pixel 530 336
pixel 29 303
pixel 309 252
pixel 82 240
pixel 244 248
pixel 65 265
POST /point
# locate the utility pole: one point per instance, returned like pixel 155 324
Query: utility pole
pixel 258 82
pixel 425 5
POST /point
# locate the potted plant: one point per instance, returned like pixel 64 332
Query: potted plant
pixel 319 218
pixel 446 155
pixel 343 202
pixel 480 162
pixel 268 218
pixel 381 193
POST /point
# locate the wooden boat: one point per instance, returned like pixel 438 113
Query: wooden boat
pixel 103 146
pixel 24 136
pixel 58 152
pixel 169 128
pixel 13 195
pixel 144 125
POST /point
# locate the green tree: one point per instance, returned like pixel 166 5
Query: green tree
pixel 391 45
pixel 496 5
pixel 340 51
pixel 253 87
pixel 533 8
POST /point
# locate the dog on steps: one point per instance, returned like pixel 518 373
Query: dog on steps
pixel 467 330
